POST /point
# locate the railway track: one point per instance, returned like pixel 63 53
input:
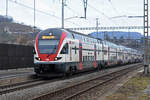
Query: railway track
pixel 74 91
pixel 32 83
pixel 23 85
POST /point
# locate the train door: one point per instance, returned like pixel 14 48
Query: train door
pixel 108 63
pixel 80 56
pixel 64 52
pixel 102 52
pixel 116 62
pixel 75 54
pixel 95 57
pixel 70 51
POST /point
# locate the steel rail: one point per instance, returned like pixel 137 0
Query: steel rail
pixel 23 85
pixel 94 86
pixel 73 91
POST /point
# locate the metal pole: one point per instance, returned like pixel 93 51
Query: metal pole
pixel 97 27
pixel 6 7
pixel 85 7
pixel 34 23
pixel 62 14
pixel 34 15
pixel 146 42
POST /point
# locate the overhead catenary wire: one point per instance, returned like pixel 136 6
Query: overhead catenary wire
pixel 114 8
pixel 101 13
pixel 78 15
pixel 72 10
pixel 125 16
pixel 97 10
pixel 40 11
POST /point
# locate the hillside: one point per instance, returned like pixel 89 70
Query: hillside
pixel 118 35
pixel 15 33
pixel 13 27
pixel 129 39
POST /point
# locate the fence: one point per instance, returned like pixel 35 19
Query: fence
pixel 15 56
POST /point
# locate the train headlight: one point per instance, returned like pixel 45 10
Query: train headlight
pixel 57 58
pixel 38 58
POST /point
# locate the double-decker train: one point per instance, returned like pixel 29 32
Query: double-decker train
pixel 63 51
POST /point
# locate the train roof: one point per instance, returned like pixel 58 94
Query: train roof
pixel 104 41
pixel 81 34
pixel 73 32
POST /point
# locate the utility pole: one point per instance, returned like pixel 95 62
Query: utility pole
pixel 34 15
pixel 146 42
pixel 34 32
pixel 6 7
pixel 85 7
pixel 97 27
pixel 62 14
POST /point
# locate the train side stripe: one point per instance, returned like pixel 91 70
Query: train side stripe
pixel 37 41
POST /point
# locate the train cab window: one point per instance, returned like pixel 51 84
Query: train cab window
pixel 64 49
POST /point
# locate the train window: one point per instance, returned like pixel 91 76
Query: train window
pixel 48 46
pixel 64 49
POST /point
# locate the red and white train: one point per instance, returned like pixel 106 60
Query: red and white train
pixel 66 52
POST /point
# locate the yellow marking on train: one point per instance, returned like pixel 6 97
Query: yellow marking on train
pixel 48 37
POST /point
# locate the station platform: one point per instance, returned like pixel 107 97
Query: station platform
pixel 13 76
pixel 16 72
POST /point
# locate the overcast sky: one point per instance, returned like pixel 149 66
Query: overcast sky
pixel 105 10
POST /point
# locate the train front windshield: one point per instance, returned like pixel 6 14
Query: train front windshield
pixel 48 46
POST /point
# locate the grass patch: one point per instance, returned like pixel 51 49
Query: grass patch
pixel 117 96
pixel 132 89
pixel 143 97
